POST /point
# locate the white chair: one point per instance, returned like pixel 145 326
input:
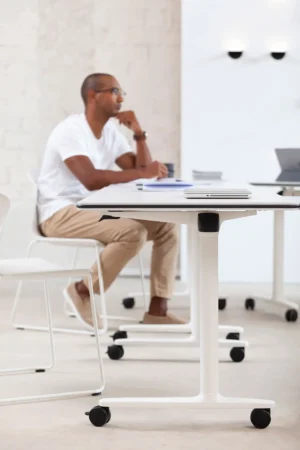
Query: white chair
pixel 40 269
pixel 76 244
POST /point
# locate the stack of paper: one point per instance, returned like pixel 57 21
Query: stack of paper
pixel 200 175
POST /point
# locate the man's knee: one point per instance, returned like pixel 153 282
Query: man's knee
pixel 172 231
pixel 135 233
pixel 168 232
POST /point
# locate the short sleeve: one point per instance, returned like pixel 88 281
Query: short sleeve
pixel 71 142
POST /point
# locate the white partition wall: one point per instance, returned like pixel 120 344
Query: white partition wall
pixel 235 112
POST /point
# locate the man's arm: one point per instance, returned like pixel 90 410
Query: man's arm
pixel 94 179
pixel 142 158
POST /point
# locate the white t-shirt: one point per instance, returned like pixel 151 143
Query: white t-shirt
pixel 57 186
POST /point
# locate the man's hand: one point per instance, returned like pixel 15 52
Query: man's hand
pixel 130 121
pixel 155 169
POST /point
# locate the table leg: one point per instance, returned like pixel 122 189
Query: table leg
pixel 278 296
pixel 205 291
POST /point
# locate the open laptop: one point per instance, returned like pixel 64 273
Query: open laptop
pixel 289 160
pixel 218 190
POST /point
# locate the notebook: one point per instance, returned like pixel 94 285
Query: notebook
pixel 163 185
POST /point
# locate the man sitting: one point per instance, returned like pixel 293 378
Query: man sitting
pixel 79 158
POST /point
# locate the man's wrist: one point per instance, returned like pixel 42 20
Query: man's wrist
pixel 141 171
pixel 141 136
pixel 137 130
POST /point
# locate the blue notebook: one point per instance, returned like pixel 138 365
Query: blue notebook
pixel 163 185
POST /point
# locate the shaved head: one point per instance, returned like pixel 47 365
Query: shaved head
pixel 102 95
pixel 93 82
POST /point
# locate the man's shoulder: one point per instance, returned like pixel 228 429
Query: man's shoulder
pixel 71 126
pixel 75 121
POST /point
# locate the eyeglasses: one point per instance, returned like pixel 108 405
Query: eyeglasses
pixel 113 90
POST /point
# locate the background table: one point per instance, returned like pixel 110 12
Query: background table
pixel 278 297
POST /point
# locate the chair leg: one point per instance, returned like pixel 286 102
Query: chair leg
pixel 50 329
pixel 102 305
pixel 19 289
pixel 142 276
pixel 63 395
pixel 21 326
pixel 67 310
pixel 143 293
pixel 87 330
pixel 50 323
pixel 102 308
pixel 95 322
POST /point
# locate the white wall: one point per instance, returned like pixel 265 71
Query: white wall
pixel 235 112
pixel 46 49
pixel 19 93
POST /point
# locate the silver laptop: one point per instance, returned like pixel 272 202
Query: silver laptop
pixel 289 160
pixel 218 190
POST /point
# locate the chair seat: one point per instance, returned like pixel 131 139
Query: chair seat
pixel 79 242
pixel 31 266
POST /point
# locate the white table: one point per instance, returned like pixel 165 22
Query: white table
pixel 278 297
pixel 204 218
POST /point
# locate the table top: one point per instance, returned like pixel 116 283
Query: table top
pixel 276 183
pixel 120 198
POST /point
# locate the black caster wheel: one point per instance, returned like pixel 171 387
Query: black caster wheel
pixel 291 315
pixel 261 418
pixel 119 335
pixel 115 352
pixel 250 304
pixel 222 303
pixel 128 302
pixel 235 336
pixel 237 354
pixel 99 416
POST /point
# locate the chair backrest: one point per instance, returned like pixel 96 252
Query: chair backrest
pixel 4 208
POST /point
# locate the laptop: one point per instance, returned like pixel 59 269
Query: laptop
pixel 289 161
pixel 218 191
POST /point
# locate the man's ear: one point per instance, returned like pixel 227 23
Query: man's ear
pixel 91 95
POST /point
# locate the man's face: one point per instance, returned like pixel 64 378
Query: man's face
pixel 109 97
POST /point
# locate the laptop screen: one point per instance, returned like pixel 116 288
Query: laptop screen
pixel 288 158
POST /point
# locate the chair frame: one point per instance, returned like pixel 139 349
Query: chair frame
pixel 77 243
pixel 55 272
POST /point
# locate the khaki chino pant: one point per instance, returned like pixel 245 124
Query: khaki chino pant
pixel 123 239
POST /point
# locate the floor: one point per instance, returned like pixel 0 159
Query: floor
pixel 270 370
